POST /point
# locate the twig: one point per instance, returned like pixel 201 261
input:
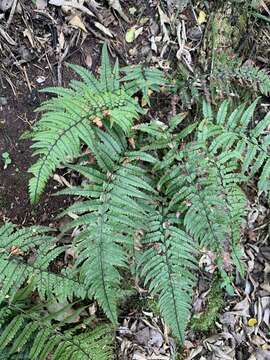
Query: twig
pixel 7 37
pixel 72 4
pixel 195 17
pixel 63 57
pixel 12 12
pixel 27 79
pixel 11 85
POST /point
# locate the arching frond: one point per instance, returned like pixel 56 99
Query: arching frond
pixel 26 331
pixel 167 266
pixel 116 192
pixel 17 266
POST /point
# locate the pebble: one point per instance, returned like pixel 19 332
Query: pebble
pixel 3 101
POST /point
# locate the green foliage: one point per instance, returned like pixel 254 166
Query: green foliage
pixel 248 138
pixel 25 329
pixel 231 78
pixel 168 269
pixel 153 194
pixel 18 265
pixel 69 118
pixel 114 209
pixel 202 188
pixel 28 334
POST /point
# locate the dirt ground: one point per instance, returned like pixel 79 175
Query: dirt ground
pixel 26 68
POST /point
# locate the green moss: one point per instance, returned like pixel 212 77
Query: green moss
pixel 205 321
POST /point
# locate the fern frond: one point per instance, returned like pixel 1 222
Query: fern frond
pixel 236 132
pixel 141 78
pixel 116 191
pixel 206 189
pixel 70 118
pixel 228 75
pixel 15 270
pixel 167 265
pixel 39 338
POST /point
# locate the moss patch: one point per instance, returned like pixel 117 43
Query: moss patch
pixel 205 321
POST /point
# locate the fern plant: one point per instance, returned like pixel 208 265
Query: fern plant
pixel 233 77
pixel 25 330
pixel 69 118
pixel 174 189
pixel 202 189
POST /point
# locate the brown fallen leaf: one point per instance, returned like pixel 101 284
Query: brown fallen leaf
pixel 103 28
pixel 98 122
pixel 77 22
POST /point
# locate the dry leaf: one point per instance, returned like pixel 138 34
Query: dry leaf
pixel 76 22
pixel 115 4
pixel 98 122
pixel 103 28
pixel 73 4
pixel 252 322
pixel 15 251
pixel 61 40
pixel 164 20
pixel 132 34
pixel 61 180
pixel 41 4
pixel 5 35
pixel 132 10
pixel 28 34
pixel 132 142
pixel 88 61
pixel 202 17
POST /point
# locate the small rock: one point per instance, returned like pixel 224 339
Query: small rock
pixel 3 101
pixel 5 5
pixel 40 79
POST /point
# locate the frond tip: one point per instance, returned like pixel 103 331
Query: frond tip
pixel 168 265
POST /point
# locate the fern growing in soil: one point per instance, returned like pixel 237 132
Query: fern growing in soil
pixel 69 118
pixel 153 195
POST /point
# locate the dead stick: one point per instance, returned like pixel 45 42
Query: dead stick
pixel 12 12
